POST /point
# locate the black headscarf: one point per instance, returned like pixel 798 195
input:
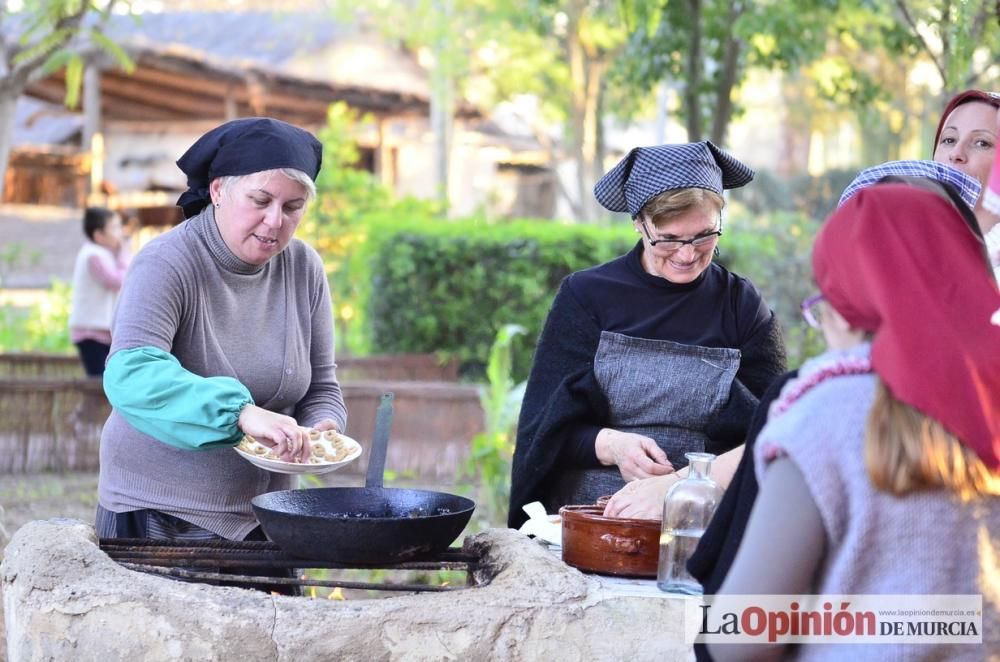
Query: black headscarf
pixel 242 147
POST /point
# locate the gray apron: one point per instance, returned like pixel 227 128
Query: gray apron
pixel 658 388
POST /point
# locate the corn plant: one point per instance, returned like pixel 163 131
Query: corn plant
pixel 491 450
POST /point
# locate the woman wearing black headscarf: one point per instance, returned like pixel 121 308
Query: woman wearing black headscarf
pixel 224 328
pixel 652 355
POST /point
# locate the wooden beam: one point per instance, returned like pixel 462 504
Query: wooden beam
pixel 156 74
pixel 171 86
pixel 48 90
pixel 120 93
pixel 136 110
pixel 180 100
pixel 194 69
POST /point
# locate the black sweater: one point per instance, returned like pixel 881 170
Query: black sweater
pixel 564 406
pixel 717 548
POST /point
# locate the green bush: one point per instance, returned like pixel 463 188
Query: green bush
pixel 406 279
pixel 814 196
pixel 351 204
pixel 773 251
pixel 44 327
pixel 448 287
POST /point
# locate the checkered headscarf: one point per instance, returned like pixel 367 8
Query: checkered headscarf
pixel 646 172
pixel 967 186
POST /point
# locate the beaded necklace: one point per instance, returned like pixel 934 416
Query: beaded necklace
pixel 837 366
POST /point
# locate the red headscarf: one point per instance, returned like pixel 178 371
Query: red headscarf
pixel 901 263
pixel 962 98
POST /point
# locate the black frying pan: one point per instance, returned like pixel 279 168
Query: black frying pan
pixel 364 525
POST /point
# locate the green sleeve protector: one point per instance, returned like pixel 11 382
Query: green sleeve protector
pixel 158 397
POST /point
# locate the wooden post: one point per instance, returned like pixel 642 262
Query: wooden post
pixel 93 142
pixel 230 103
pixel 383 165
pixel 257 94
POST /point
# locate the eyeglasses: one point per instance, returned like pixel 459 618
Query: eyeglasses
pixel 811 310
pixel 671 245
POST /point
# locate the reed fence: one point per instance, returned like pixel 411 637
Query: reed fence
pixel 51 418
pixel 397 367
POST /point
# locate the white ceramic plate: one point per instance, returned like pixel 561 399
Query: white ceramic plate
pixel 281 467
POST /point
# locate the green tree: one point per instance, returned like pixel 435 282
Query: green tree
pixel 871 54
pixel 350 204
pixel 961 38
pixel 861 50
pixel 590 40
pixel 489 51
pixel 51 35
pixel 707 46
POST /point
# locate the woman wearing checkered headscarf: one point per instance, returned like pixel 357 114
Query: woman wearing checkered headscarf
pixel 652 355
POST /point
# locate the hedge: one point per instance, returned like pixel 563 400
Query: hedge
pixel 447 287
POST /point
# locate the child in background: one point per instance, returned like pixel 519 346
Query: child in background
pixel 97 277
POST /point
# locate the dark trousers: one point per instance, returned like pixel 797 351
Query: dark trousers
pixel 94 355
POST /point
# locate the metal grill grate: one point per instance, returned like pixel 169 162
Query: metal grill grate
pixel 202 561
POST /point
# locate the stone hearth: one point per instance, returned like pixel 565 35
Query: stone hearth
pixel 64 599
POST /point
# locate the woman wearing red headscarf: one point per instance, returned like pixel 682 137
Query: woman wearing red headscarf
pixel 966 139
pixel 880 464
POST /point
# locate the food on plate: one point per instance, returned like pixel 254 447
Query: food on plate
pixel 326 446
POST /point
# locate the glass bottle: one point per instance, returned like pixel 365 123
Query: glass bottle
pixel 687 509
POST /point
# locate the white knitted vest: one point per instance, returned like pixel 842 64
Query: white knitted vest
pixel 92 303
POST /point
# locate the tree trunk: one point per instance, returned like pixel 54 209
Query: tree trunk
pixel 442 110
pixel 8 101
pixel 93 137
pixel 694 72
pixel 600 146
pixel 723 111
pixel 578 107
pixel 593 167
pixel 662 98
pixel 441 114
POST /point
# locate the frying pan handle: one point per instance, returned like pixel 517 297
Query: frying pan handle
pixel 380 441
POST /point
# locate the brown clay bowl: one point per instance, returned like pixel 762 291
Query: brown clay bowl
pixel 609 545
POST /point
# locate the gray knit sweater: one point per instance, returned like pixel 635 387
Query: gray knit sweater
pixel 268 326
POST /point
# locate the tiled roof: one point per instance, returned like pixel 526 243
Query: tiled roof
pixel 41 123
pixel 265 38
pixel 282 47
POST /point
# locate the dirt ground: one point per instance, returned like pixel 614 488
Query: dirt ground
pixel 24 498
pixel 28 497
